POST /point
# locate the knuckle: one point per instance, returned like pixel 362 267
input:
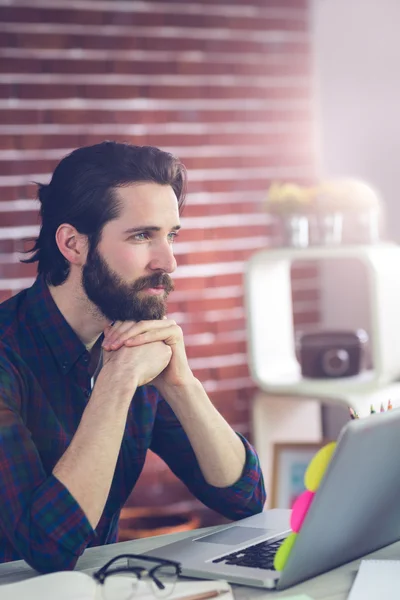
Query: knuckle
pixel 178 331
pixel 168 322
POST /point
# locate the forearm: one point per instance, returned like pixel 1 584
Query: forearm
pixel 219 451
pixel 87 467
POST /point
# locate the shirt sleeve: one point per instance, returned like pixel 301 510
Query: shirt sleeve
pixel 38 515
pixel 243 499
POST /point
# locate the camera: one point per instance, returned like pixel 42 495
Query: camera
pixel 330 354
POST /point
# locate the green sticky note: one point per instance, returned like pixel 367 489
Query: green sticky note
pixel 283 552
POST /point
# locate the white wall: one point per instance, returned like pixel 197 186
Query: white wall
pixel 357 62
pixel 357 66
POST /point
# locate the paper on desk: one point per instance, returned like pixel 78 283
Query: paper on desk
pixel 74 585
pixel 186 587
pixel 298 597
pixel 65 585
pixel 243 593
pixel 377 579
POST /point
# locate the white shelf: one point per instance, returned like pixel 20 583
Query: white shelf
pixel 341 388
pixel 272 358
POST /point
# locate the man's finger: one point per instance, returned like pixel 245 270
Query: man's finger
pixel 116 339
pixel 170 335
pixel 116 331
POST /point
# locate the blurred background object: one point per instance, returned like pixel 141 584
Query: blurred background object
pixel 145 521
pixel 328 213
pixel 330 354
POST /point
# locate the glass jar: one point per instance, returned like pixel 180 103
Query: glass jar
pixel 295 228
pixel 363 226
pixel 328 229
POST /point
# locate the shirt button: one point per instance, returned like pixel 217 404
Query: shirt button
pixel 87 393
pixel 64 366
pixel 85 358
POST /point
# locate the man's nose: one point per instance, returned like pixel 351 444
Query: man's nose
pixel 163 259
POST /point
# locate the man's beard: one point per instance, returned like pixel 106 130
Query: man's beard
pixel 119 301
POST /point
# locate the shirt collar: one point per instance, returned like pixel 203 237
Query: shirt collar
pixel 65 345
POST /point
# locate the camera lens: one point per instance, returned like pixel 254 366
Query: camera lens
pixel 335 362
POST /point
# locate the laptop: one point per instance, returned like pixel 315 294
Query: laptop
pixel 355 511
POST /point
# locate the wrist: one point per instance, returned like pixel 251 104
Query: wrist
pixel 176 393
pixel 115 385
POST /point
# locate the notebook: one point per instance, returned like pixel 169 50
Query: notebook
pixel 75 585
pixel 377 579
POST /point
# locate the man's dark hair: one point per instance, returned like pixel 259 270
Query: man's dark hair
pixel 82 193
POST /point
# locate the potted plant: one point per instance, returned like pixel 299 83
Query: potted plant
pixel 331 212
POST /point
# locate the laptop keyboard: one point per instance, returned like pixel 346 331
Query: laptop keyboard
pixel 259 556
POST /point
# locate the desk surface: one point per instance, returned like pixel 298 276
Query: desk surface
pixel 334 585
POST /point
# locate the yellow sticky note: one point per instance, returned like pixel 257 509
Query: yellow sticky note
pixel 283 551
pixel 317 467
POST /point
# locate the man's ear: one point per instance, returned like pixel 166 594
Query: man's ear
pixel 72 244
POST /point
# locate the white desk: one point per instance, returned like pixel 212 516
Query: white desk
pixel 334 585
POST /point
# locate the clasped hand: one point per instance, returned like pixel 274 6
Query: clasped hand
pixel 131 334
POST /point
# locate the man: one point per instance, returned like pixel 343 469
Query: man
pixel 93 374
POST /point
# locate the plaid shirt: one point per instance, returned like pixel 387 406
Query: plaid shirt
pixel 45 385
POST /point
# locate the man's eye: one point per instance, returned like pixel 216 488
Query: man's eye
pixel 140 237
pixel 172 236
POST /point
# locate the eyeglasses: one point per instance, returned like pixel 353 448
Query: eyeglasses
pixel 122 577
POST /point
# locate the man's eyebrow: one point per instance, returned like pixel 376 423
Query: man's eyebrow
pixel 149 228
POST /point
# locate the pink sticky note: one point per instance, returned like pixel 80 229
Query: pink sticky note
pixel 299 510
